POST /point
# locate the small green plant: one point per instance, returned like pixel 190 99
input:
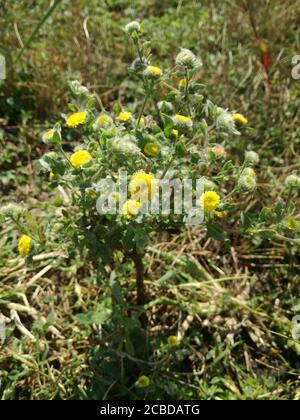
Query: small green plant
pixel 174 132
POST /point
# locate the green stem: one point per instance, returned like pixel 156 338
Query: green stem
pixel 168 166
pixel 37 28
pixel 288 200
pixel 186 95
pixel 141 113
pixel 61 150
pixel 140 285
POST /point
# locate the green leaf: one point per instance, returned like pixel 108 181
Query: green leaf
pixel 73 107
pixel 142 240
pixel 171 96
pixel 203 127
pixel 216 231
pixel 129 238
pixel 197 87
pixel 168 124
pixel 279 208
pixel 116 288
pixel 167 277
pixel 180 149
pixel 265 214
pixel 92 317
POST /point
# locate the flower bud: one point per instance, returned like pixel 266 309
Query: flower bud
pixel 247 183
pixel 139 65
pixel 293 181
pixel 252 158
pixel 152 149
pixel 11 210
pixel 225 121
pixel 209 185
pixel 249 172
pixel 187 58
pixel 218 151
pixel 132 27
pixel 125 145
pixel 165 107
pixel 77 89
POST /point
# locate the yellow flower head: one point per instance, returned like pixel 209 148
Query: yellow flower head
pixel 24 246
pixel 124 116
pixel 221 214
pixel 262 46
pixel 210 200
pixel 182 120
pixel 143 382
pixel 51 176
pixel 80 158
pixel 76 119
pixel 152 149
pixel 131 209
pixel 104 120
pixel 240 119
pixel 292 224
pixel 173 340
pixel 182 84
pixel 153 71
pixel 48 135
pixel 144 186
pixel 249 172
pixel 175 133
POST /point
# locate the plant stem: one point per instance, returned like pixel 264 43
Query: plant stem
pixel 139 266
pixel 141 113
pixel 168 166
pixel 38 27
pixel 288 200
pixel 140 285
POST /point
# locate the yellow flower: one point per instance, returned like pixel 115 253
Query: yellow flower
pixel 152 149
pixel 210 200
pixel 104 120
pixel 124 116
pixel 262 46
pixel 182 84
pixel 240 119
pixel 48 135
pixel 175 133
pixel 51 176
pixel 80 158
pixel 24 246
pixel 131 209
pixel 221 214
pixel 153 71
pixel 172 340
pixel 76 119
pixel 143 186
pixel 249 172
pixel 182 120
pixel 292 224
pixel 143 382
